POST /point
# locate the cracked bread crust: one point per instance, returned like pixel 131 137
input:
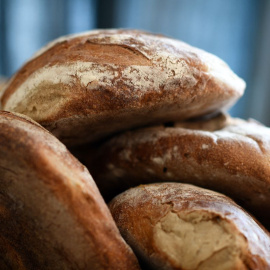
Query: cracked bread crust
pixel 52 214
pixel 222 153
pixel 88 86
pixel 180 226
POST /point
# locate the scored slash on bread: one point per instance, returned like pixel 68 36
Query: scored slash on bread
pixel 173 226
pixel 52 214
pixel 222 153
pixel 88 86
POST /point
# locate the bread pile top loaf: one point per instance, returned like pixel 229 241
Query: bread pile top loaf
pixel 79 84
pixel 140 108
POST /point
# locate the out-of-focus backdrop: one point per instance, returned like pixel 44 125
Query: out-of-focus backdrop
pixel 238 31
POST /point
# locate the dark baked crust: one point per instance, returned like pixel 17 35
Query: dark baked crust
pixel 85 87
pixel 139 211
pixel 224 154
pixel 52 214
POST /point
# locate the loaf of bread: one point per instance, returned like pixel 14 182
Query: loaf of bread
pixel 222 153
pixel 85 87
pixel 180 226
pixel 52 215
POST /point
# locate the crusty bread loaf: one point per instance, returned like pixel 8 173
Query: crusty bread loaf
pixel 51 213
pixel 222 153
pixel 88 86
pixel 180 226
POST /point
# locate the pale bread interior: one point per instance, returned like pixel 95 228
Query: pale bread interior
pixel 199 240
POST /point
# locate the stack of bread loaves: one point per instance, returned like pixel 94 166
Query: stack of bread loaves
pixel 141 109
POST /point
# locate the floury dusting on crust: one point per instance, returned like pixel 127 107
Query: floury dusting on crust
pixel 139 78
pixel 106 77
pixel 169 63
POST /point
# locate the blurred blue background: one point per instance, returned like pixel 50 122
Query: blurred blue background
pixel 238 31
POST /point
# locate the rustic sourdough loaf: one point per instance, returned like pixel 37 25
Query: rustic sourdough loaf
pixel 180 226
pixel 88 86
pixel 52 215
pixel 222 153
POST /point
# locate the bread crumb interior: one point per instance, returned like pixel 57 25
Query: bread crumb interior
pixel 199 240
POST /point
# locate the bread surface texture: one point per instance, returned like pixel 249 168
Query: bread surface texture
pixel 85 87
pixel 225 154
pixel 52 215
pixel 180 226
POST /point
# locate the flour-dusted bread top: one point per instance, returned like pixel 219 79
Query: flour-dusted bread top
pixel 52 214
pixel 180 226
pixel 87 86
pixel 222 153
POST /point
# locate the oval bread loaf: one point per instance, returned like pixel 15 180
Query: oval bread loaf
pixel 52 215
pixel 225 154
pixel 88 86
pixel 180 226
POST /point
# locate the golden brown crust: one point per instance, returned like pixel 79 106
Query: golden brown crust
pixel 224 154
pixel 52 214
pixel 81 87
pixel 140 211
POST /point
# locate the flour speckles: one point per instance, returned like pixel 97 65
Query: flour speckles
pixel 205 146
pixel 118 76
pixel 158 160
